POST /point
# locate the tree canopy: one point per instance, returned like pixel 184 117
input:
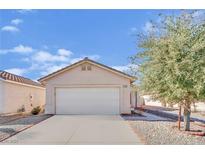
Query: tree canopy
pixel 172 67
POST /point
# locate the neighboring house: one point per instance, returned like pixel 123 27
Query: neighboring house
pixel 17 92
pixel 88 87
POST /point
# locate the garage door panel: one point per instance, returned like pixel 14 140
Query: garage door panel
pixel 87 100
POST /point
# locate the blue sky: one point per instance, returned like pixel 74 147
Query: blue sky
pixel 34 43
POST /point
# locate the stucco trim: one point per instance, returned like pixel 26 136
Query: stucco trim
pixel 22 84
pixel 131 78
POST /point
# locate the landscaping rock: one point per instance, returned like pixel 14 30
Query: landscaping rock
pixel 10 127
pixel 165 132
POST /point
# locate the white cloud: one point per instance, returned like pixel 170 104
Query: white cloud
pixel 199 16
pixel 18 49
pixel 25 59
pixel 47 62
pixel 133 30
pixel 48 68
pixel 10 29
pixel 149 27
pixel 16 21
pixel 53 68
pixel 64 52
pixel 16 71
pixel 92 57
pixel 44 62
pixel 120 68
pixel 22 49
pixel 44 56
pixel 45 47
pixel 62 55
pixel 74 60
pixel 125 68
pixel 198 13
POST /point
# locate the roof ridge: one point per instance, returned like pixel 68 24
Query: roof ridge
pixel 84 60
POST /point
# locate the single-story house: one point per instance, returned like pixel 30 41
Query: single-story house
pixel 88 87
pixel 18 93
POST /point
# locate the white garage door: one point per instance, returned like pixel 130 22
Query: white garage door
pixel 87 100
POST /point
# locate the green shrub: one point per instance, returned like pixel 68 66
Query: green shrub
pixel 36 110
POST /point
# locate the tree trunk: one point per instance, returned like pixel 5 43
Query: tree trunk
pixel 194 107
pixel 179 117
pixel 170 105
pixel 164 104
pixel 187 113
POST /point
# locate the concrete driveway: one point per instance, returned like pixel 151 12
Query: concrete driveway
pixel 78 129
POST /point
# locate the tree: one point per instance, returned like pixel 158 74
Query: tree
pixel 172 61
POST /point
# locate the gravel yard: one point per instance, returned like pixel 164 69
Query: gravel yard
pixel 11 125
pixel 5 119
pixel 162 131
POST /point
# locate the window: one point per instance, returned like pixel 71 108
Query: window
pixel 83 68
pixel 89 67
pixel 86 67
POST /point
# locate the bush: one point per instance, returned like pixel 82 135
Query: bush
pixel 36 110
pixel 21 109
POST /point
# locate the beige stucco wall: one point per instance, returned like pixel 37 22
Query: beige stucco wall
pixel 15 95
pixel 1 96
pixel 97 77
pixel 133 99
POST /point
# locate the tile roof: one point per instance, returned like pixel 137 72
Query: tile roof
pixel 12 77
